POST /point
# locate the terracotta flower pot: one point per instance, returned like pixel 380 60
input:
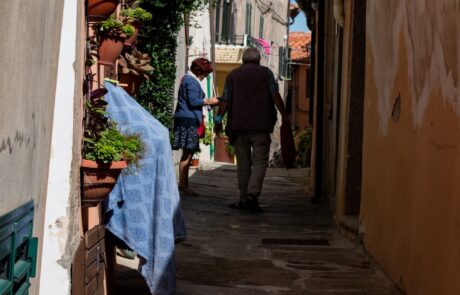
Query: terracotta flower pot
pixel 98 180
pixel 195 162
pixel 110 47
pixel 133 81
pixel 102 7
pixel 221 154
pixel 131 40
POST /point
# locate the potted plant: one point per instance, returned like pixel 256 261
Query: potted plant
pixel 195 160
pixel 224 151
pixel 105 151
pixel 112 34
pixel 102 7
pixel 134 68
pixel 136 17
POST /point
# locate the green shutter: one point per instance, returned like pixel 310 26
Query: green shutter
pixel 261 27
pixel 250 20
pixel 218 34
pixel 246 24
pixel 225 21
pixel 285 67
pixel 288 64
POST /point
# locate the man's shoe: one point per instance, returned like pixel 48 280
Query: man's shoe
pixel 240 205
pixel 253 206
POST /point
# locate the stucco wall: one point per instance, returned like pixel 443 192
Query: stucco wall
pixel 411 164
pixel 27 85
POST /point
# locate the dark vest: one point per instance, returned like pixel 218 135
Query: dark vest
pixel 251 106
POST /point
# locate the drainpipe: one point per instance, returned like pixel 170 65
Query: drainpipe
pixel 212 29
pixel 212 23
pixel 187 39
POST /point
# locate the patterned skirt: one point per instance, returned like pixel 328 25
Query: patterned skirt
pixel 185 134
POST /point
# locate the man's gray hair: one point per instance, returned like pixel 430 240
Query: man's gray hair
pixel 251 55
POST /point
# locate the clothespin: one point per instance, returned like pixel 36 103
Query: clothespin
pixel 116 82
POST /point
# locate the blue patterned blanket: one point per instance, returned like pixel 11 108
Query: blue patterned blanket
pixel 144 205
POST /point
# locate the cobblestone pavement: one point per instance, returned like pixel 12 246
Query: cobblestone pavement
pixel 290 248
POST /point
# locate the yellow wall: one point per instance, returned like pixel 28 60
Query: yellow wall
pixel 411 164
pixel 222 71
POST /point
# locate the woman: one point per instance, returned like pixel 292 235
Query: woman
pixel 188 116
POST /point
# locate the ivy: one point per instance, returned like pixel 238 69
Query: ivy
pixel 158 37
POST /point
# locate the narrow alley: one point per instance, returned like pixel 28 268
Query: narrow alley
pixel 290 248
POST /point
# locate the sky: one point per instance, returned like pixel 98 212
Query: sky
pixel 300 24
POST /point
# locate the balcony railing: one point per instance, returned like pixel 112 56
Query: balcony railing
pixel 239 40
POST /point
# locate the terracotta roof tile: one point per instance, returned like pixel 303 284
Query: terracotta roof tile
pixel 299 41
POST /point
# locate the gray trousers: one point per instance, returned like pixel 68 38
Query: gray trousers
pixel 252 152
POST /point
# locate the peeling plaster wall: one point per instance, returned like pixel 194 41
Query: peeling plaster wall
pixel 432 39
pixel 62 217
pixel 410 209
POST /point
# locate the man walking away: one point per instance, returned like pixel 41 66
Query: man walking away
pixel 250 96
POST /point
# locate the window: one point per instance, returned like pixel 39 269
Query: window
pixel 285 67
pixel 261 27
pixel 223 21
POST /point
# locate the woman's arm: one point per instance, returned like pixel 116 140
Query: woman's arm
pixel 194 95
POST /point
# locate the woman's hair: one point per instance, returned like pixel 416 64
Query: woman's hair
pixel 201 66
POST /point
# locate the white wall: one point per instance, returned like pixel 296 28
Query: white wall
pixel 200 32
pixel 55 277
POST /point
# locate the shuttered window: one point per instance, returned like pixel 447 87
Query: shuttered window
pixel 261 27
pixel 224 21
